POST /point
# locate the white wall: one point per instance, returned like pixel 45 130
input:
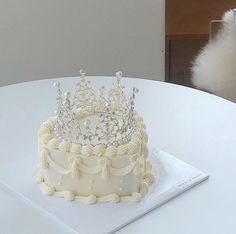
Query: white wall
pixel 53 38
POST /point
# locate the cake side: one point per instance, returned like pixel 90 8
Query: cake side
pixel 94 173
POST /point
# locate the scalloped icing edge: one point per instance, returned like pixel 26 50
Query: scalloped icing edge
pixel 47 138
pixel 47 160
pixel 92 199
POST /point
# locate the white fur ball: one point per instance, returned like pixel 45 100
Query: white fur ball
pixel 214 69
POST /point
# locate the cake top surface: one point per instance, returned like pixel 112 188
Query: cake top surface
pixel 88 119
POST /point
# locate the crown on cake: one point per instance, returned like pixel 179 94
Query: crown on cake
pixel 83 118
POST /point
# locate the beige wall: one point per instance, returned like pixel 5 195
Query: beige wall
pixel 53 38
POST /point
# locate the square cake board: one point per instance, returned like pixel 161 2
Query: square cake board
pixel 172 176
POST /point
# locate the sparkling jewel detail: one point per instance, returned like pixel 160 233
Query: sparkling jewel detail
pixel 115 124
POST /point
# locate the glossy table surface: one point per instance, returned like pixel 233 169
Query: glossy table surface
pixel 197 127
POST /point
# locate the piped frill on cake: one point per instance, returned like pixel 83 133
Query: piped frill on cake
pixel 48 138
pixel 102 154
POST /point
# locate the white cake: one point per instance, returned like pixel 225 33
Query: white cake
pixel 94 150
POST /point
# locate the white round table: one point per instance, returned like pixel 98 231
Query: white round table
pixel 194 126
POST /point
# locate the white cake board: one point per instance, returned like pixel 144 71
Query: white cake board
pixel 173 177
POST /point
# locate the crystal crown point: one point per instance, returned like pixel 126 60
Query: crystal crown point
pixel 114 123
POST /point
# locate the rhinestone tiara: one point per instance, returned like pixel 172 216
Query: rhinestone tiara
pixel 86 119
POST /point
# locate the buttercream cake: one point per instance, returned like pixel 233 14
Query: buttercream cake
pixel 94 149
